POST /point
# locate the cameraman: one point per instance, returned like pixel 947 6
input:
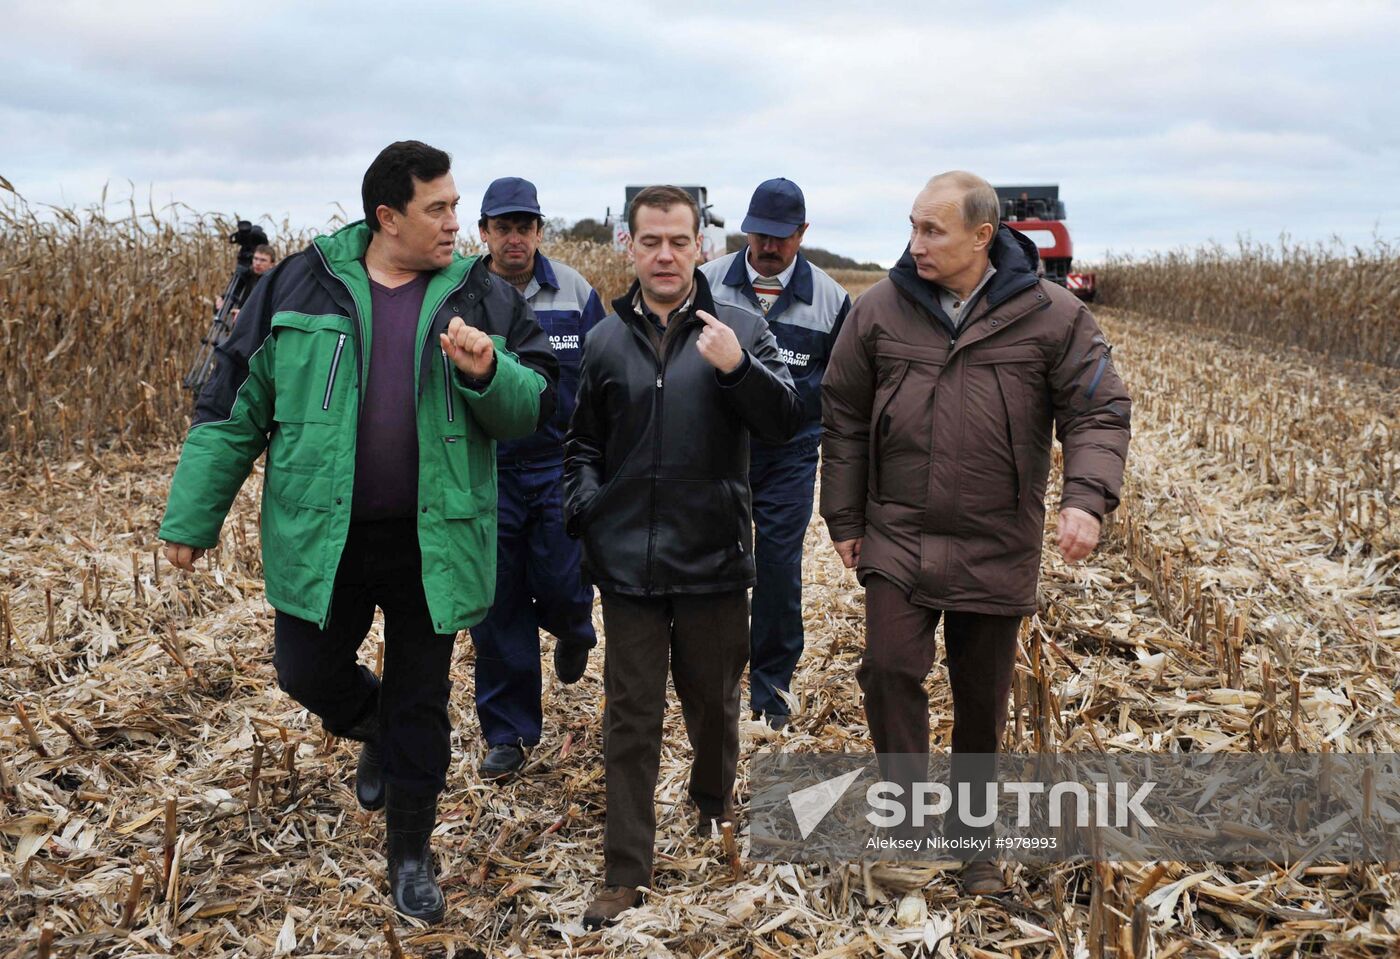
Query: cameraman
pixel 264 259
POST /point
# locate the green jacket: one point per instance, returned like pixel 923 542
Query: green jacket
pixel 288 380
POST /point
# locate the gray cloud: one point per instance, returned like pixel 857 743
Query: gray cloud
pixel 1164 126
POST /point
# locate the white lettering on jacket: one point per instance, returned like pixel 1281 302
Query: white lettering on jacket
pixel 794 359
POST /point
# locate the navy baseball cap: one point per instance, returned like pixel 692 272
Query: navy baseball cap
pixel 510 194
pixel 777 209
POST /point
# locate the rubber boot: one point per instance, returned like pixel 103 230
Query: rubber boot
pixel 409 821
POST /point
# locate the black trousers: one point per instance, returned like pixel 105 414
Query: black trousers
pixel 380 566
pixel 704 639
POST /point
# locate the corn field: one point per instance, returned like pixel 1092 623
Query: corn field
pixel 160 795
pixel 102 311
pixel 1328 299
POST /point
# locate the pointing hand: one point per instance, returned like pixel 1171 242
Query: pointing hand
pixel 718 344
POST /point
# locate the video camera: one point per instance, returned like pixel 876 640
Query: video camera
pixel 248 238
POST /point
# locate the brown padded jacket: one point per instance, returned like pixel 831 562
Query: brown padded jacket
pixel 936 441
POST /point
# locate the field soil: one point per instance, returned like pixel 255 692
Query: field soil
pixel 1246 596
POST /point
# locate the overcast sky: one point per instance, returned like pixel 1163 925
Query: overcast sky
pixel 1164 124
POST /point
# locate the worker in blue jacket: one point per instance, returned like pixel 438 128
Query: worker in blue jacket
pixel 538 581
pixel 804 308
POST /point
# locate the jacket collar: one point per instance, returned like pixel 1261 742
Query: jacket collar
pixel 700 299
pixel 1013 254
pixel 544 273
pixel 344 251
pixel 799 286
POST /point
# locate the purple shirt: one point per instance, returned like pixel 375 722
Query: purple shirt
pixel 386 452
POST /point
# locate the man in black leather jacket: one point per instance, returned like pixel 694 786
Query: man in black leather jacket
pixel 656 484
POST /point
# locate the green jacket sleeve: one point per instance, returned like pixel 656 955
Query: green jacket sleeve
pixel 508 406
pixel 520 395
pixel 232 421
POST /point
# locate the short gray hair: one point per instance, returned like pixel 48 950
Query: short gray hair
pixel 979 200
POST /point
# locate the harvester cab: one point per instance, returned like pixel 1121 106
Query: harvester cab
pixel 1039 213
pixel 711 223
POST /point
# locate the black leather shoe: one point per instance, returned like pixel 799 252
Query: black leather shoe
pixel 570 660
pixel 777 721
pixel 502 761
pixel 409 821
pixel 369 773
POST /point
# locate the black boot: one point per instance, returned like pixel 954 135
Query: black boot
pixel 369 774
pixel 409 819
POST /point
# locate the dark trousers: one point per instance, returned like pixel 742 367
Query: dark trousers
pixel 538 586
pixel 380 566
pixel 980 651
pixel 782 479
pixel 704 640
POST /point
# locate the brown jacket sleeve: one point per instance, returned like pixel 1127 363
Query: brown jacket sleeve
pixel 848 390
pixel 1092 416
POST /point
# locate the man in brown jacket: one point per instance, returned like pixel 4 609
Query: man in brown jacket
pixel 937 406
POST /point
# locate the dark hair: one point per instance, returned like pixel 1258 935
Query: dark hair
pixel 516 217
pixel 389 179
pixel 662 198
pixel 268 249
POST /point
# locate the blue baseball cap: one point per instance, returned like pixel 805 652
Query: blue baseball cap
pixel 777 209
pixel 510 194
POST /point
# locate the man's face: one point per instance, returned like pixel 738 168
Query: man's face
pixel 771 255
pixel 512 240
pixel 943 246
pixel 261 263
pixel 426 231
pixel 664 247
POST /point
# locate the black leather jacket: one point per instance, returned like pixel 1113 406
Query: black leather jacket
pixel 656 468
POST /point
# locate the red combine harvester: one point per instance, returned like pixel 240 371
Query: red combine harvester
pixel 1039 213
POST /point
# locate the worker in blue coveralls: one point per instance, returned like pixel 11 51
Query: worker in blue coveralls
pixel 805 309
pixel 538 581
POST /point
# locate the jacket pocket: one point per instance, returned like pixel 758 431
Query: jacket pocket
pixel 309 366
pixel 590 509
pixel 1018 431
pixel 891 376
pixel 300 486
pixel 451 407
pixel 743 522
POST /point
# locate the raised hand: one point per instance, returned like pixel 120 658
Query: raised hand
pixel 469 349
pixel 718 344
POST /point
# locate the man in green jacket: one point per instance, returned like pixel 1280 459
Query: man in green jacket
pixel 378 368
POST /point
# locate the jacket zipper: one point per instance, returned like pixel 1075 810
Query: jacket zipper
pixel 655 469
pixel 418 351
pixel 360 400
pixel 447 385
pixel 1098 375
pixel 335 365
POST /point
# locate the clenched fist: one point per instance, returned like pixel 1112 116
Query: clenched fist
pixel 181 556
pixel 718 344
pixel 469 349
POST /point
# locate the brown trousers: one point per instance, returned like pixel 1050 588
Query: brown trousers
pixel 980 651
pixel 704 640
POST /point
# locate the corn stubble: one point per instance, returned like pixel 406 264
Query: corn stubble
pixel 158 793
